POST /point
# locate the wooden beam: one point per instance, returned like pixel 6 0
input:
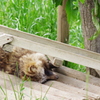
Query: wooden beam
pixel 79 84
pixel 53 48
pixel 62 25
pixel 74 90
pixel 5 39
pixel 27 95
pixel 77 75
pixel 33 87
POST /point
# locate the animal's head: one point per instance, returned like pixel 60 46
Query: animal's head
pixel 36 66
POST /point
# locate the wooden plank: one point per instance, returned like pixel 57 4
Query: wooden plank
pixel 78 75
pixel 40 94
pixel 62 25
pixel 74 90
pixel 63 92
pixel 38 87
pixel 54 48
pixel 79 84
pixel 54 92
pixel 27 93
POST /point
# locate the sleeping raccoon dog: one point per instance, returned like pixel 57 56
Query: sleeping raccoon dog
pixel 27 65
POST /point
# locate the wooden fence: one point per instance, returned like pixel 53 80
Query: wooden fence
pixel 52 48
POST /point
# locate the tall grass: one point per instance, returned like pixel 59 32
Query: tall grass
pixel 39 17
pixel 17 92
pixel 33 16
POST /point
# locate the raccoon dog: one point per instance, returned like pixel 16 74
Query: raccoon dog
pixel 27 64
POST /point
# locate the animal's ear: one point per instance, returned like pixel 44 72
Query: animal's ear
pixel 33 69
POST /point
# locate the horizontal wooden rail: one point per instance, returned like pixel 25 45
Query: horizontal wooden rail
pixel 5 39
pixel 53 48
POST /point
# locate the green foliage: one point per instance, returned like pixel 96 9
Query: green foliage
pixel 96 18
pixel 72 11
pixel 73 14
pixel 82 1
pixel 57 2
pixel 76 67
pixel 76 37
pixel 4 92
pixel 36 17
pixel 21 88
pixel 39 17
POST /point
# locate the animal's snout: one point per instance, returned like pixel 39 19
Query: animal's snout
pixel 51 75
pixel 56 76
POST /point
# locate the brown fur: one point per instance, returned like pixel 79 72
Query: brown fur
pixel 4 59
pixel 26 64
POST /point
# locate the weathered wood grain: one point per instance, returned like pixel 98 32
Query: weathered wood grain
pixel 74 90
pixel 78 75
pixel 34 87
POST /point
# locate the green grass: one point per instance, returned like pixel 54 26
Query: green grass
pixel 39 17
pixel 33 16
pixel 17 91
